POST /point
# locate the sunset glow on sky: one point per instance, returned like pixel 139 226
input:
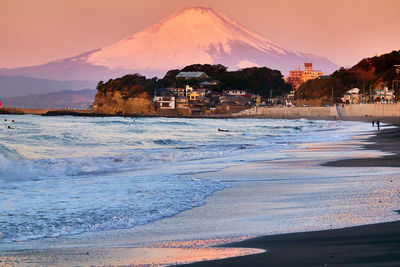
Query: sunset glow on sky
pixel 36 32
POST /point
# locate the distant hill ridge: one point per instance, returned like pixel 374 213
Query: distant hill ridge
pixel 62 99
pixel 17 86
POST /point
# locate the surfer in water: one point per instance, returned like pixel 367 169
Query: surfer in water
pixel 221 130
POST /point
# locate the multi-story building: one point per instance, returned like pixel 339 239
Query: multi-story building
pixel 164 102
pixel 182 102
pixel 297 77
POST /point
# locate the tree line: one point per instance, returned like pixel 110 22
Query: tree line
pixel 261 81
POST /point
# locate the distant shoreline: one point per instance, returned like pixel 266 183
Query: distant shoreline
pixel 395 120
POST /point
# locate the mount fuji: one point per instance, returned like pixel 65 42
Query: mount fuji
pixel 191 36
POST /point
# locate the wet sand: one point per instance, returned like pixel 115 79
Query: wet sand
pixel 387 140
pixel 368 245
pixel 119 256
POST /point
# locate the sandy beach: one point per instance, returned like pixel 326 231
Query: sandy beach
pixel 233 216
pixel 368 245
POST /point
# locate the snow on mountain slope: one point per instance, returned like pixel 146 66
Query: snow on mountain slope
pixel 194 35
pixel 191 36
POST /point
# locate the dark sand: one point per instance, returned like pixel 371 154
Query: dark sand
pixel 369 245
pixel 387 140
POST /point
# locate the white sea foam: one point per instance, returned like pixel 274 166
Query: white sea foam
pixel 63 175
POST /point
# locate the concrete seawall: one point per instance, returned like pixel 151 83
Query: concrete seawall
pixel 340 111
pixel 375 110
pixel 289 112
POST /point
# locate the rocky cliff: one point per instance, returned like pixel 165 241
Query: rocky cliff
pixel 128 95
pixel 115 103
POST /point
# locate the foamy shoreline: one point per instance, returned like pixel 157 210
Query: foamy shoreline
pixel 199 220
pixel 389 113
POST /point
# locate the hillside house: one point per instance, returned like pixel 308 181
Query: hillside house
pixel 209 84
pixel 384 94
pixel 180 92
pixel 188 90
pixel 197 107
pixel 235 92
pixel 164 102
pixel 182 105
pixel 194 96
pixel 182 102
pixel 352 96
pixel 176 91
pixel 236 100
pixel 289 99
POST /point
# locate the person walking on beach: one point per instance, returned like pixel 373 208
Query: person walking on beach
pixel 377 125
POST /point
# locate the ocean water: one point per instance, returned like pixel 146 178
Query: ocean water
pixel 61 176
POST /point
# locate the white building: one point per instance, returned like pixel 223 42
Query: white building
pixel 351 96
pixel 164 102
pixel 235 92
pixel 188 90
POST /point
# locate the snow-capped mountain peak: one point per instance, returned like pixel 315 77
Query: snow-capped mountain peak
pixel 192 36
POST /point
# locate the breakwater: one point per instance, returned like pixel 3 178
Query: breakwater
pixel 32 111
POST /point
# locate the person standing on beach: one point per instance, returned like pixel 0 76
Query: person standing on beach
pixel 373 123
pixel 377 125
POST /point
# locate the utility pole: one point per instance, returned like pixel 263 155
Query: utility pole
pixel 363 94
pixel 370 91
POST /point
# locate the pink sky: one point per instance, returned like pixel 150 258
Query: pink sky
pixel 344 31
